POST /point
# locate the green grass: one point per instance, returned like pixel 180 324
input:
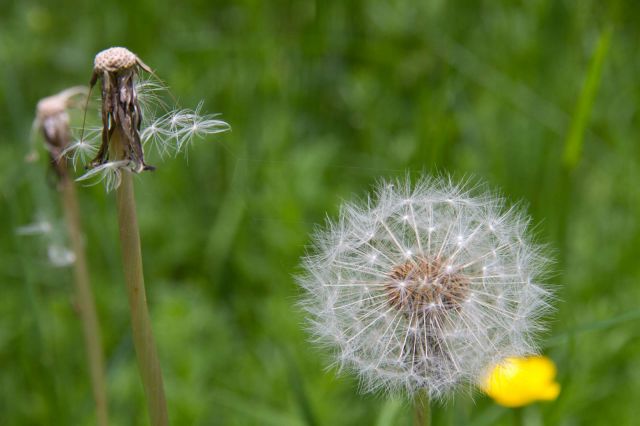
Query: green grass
pixel 538 98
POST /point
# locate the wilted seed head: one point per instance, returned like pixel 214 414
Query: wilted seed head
pixel 52 120
pixel 425 287
pixel 125 98
pixel 117 68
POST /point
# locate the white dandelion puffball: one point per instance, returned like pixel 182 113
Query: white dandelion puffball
pixel 425 287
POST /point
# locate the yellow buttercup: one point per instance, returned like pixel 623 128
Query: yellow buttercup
pixel 521 381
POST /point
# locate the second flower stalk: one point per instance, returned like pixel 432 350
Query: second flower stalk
pixel 120 155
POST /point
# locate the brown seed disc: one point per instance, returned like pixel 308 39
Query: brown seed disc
pixel 423 284
pixel 114 59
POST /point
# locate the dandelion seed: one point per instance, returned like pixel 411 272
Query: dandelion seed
pixel 150 96
pixel 80 151
pixel 82 148
pixel 192 124
pixel 108 173
pixel 60 256
pixel 452 287
pixel 158 137
pixel 37 228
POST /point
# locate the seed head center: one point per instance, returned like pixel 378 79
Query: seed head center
pixel 114 59
pixel 422 285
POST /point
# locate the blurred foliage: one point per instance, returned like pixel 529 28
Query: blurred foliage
pixel 539 98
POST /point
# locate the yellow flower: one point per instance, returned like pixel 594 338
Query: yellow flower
pixel 521 381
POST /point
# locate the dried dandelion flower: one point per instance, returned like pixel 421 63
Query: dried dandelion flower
pixel 125 98
pixel 129 102
pixel 52 120
pixel 424 288
pixel 117 68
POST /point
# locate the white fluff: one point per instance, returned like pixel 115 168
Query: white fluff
pixel 423 338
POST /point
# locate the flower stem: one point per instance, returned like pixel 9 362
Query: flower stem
pixel 143 340
pixel 85 301
pixel 422 410
pixel 518 416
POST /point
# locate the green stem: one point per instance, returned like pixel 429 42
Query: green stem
pixel 518 416
pixel 85 301
pixel 146 352
pixel 422 411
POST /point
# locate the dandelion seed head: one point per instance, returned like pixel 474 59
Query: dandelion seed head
pixel 52 120
pixel 54 105
pixel 130 102
pixel 51 106
pixel 425 287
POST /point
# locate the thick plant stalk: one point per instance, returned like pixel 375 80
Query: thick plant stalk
pixel 85 301
pixel 422 409
pixel 145 347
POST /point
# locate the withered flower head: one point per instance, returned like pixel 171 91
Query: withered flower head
pixel 52 120
pixel 125 130
pixel 117 68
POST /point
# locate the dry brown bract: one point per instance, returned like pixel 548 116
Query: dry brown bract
pixel 118 67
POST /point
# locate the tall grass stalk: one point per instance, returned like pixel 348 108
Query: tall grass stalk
pixel 145 347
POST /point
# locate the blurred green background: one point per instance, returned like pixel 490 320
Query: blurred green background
pixel 539 98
